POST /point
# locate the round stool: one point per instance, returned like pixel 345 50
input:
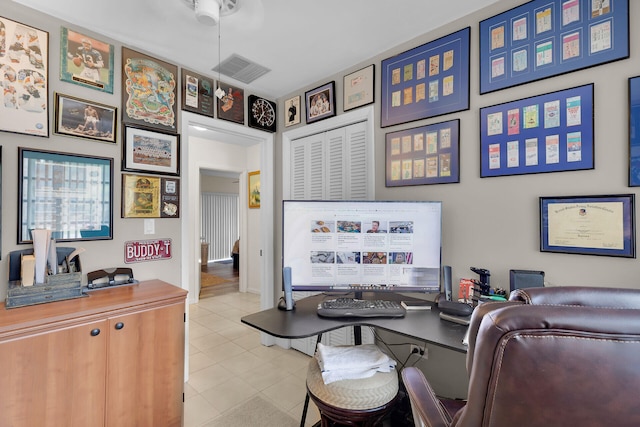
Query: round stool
pixel 360 402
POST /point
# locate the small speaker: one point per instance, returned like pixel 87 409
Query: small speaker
pixel 446 277
pixel 519 279
pixel 288 294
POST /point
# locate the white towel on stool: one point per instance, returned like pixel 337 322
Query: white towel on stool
pixel 352 362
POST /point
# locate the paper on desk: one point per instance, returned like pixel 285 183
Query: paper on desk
pixel 41 239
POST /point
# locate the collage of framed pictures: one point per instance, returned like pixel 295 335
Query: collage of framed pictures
pixel 86 61
pixel 149 102
pixel 80 118
pixel 24 64
pixel 544 38
pixel 146 196
pixel 426 81
pixel 545 133
pixel 588 225
pixel 321 102
pixel 423 155
pixel 145 150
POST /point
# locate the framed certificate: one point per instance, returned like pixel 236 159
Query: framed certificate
pixel 588 225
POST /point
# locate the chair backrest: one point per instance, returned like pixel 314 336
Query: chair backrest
pixel 554 358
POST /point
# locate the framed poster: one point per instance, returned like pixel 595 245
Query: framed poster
pixel 86 61
pixel 79 185
pixel 426 81
pixel 358 88
pixel 321 102
pixel 85 119
pixel 545 38
pixel 197 93
pixel 634 131
pixel 149 91
pixel 148 151
pixel 545 133
pixel 423 155
pixel 254 189
pixel 292 111
pixel 24 67
pixel 231 106
pixel 589 225
pixel 145 196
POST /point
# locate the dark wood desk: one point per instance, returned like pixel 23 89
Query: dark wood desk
pixel 303 322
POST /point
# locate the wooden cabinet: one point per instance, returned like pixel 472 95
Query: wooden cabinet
pixel 115 358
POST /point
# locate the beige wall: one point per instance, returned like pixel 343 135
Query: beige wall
pixel 218 184
pixel 493 222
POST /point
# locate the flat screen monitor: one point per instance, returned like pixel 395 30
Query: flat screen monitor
pixel 344 246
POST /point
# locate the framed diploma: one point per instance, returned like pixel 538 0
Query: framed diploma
pixel 588 225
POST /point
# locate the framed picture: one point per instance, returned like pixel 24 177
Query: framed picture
pixel 149 102
pixel 149 151
pixel 423 155
pixel 145 196
pixel 545 133
pixel 254 189
pixel 24 64
pixel 321 102
pixel 427 81
pixel 358 88
pixel 81 187
pixel 634 131
pixel 197 93
pixel 86 61
pixel 292 111
pixel 546 38
pixel 85 119
pixel 231 106
pixel 589 225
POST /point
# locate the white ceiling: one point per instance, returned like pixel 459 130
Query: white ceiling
pixel 300 41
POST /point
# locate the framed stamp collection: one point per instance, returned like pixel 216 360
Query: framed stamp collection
pixel 544 38
pixel 358 88
pixel 426 81
pixel 423 155
pixel 545 133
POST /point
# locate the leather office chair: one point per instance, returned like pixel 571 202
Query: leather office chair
pixel 563 356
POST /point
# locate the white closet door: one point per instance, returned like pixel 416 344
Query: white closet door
pixel 333 165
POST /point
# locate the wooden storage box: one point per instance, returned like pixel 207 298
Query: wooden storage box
pixel 57 287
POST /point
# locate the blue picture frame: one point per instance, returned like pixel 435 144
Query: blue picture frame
pixel 423 155
pixel 588 225
pixel 427 81
pixel 634 131
pixel 552 132
pixel 546 38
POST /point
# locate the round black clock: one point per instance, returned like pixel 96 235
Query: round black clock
pixel 262 113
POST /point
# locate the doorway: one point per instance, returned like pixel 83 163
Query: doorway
pixel 210 144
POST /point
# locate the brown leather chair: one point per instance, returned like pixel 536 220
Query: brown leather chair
pixel 560 356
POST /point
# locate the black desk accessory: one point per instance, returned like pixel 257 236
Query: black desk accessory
pixel 110 277
pixel 519 279
pixel 455 308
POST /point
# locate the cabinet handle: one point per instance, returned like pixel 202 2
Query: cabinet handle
pixel 95 332
pixel 119 325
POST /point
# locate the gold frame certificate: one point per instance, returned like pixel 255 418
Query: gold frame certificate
pixel 596 225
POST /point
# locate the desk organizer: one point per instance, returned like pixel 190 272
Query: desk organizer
pixel 57 287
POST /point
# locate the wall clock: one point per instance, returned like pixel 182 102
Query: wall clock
pixel 262 113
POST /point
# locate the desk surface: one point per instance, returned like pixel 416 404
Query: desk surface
pixel 303 322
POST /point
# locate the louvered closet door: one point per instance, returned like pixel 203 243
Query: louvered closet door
pixel 332 165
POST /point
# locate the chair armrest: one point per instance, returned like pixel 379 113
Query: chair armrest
pixel 425 405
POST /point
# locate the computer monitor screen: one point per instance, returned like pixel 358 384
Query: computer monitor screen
pixel 362 245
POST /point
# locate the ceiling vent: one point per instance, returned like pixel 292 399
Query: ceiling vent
pixel 240 69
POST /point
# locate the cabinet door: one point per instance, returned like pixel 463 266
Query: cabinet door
pixel 145 368
pixel 55 378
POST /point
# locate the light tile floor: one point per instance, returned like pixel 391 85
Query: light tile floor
pixel 228 365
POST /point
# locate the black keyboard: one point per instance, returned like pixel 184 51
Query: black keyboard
pixel 351 307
